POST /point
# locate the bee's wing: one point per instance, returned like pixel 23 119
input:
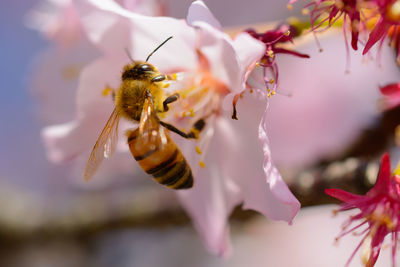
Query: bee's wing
pixel 104 147
pixel 150 130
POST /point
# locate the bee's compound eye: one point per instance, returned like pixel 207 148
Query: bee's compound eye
pixel 145 67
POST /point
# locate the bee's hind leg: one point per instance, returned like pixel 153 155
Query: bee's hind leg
pixel 194 132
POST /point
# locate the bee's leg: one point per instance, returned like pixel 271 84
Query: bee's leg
pixel 194 132
pixel 170 99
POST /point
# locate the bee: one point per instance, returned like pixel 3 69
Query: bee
pixel 140 98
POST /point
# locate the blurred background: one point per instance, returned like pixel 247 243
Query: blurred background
pixel 47 219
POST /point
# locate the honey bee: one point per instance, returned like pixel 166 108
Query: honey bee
pixel 139 98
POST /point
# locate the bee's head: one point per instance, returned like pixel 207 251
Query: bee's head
pixel 139 70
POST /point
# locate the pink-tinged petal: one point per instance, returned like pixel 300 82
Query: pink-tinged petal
pixel 91 85
pixel 383 182
pixel 249 51
pixel 221 55
pixel 290 205
pixel 376 34
pixel 262 191
pixel 108 31
pixel 146 7
pixel 343 195
pixel 177 54
pixel 55 79
pixel 199 12
pixel 209 204
pixel 132 31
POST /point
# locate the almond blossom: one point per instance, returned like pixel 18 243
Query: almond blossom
pixel 231 161
pixel 379 213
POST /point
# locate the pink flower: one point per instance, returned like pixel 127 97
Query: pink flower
pixel 230 166
pixel 379 213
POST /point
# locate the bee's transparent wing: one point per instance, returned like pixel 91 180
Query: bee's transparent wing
pixel 150 130
pixel 105 146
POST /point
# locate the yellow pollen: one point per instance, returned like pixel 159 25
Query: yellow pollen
pixel 393 12
pixel 271 81
pixel 258 64
pixel 268 95
pixel 106 91
pixel 191 112
pixel 273 93
pixel 184 114
pixel 166 85
pixel 289 6
pixel 269 90
pixel 287 33
pixel 380 218
pixel 305 11
pixel 270 53
pixel 174 76
pixel 397 170
pixel 202 164
pixel 198 150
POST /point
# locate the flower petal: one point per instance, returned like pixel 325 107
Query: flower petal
pixel 383 182
pixel 199 12
pixel 343 195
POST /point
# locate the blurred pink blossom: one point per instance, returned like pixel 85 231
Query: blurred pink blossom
pixel 238 167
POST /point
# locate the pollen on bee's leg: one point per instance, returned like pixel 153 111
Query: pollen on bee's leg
pixel 166 85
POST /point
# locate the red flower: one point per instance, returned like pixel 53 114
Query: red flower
pixel 379 213
pixel 389 20
pixel 282 34
pixel 326 11
pixel 391 95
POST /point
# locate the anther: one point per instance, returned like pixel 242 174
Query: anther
pixel 198 150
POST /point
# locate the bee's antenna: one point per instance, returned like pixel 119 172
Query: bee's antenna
pixel 147 59
pixel 129 55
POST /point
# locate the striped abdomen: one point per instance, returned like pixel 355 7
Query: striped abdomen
pixel 166 163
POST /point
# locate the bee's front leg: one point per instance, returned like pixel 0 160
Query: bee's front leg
pixel 170 99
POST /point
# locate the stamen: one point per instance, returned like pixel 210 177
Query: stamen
pixel 192 112
pixel 106 91
pixel 198 150
pixel 202 164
